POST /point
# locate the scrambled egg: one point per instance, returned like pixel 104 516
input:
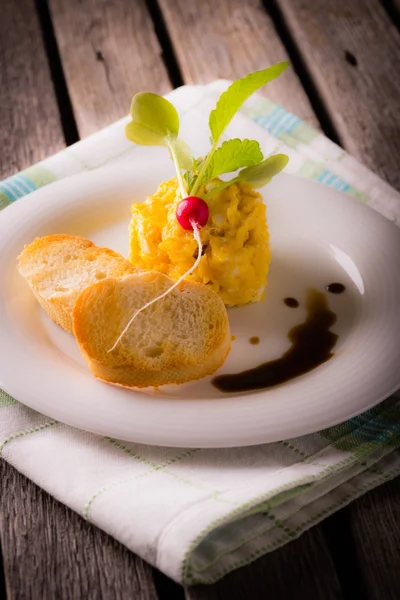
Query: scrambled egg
pixel 236 250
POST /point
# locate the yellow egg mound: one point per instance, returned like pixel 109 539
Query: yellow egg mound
pixel 236 250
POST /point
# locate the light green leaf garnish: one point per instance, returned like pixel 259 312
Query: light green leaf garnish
pixel 183 154
pixel 237 93
pixel 229 103
pixel 154 120
pixel 233 155
pixel 259 175
pixel 198 163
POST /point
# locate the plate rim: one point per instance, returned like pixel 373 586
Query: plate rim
pixel 12 213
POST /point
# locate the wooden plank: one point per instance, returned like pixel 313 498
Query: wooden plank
pixel 37 533
pixel 374 522
pixel 351 49
pixel 50 552
pixel 302 569
pixel 364 541
pixel 2 580
pixel 227 39
pixel 392 8
pixel 109 51
pixel 29 121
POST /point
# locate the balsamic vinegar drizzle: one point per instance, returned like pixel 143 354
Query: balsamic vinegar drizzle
pixel 291 302
pixel 312 345
pixel 335 288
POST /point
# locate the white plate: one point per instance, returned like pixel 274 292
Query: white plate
pixel 318 236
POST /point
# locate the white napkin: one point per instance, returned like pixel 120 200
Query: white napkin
pixel 198 514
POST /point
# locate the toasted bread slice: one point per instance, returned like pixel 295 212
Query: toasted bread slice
pixel 59 267
pixel 182 337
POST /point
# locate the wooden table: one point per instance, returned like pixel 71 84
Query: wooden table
pixel 70 67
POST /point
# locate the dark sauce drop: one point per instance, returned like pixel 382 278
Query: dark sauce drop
pixel 312 345
pixel 254 340
pixel 291 302
pixel 335 288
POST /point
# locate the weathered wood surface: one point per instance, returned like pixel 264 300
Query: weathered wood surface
pixel 362 561
pixel 352 50
pixel 30 124
pixel 227 39
pixel 109 51
pixel 392 7
pixel 364 542
pixel 374 524
pixel 49 552
pixel 302 570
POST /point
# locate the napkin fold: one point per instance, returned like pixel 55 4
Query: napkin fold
pixel 199 514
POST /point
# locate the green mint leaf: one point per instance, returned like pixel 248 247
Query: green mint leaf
pixel 259 175
pixel 183 154
pixel 233 155
pixel 155 121
pixel 237 93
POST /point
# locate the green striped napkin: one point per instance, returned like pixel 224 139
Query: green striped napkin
pixel 198 514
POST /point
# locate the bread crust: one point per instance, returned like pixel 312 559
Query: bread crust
pixel 130 368
pixel 62 270
pixel 32 266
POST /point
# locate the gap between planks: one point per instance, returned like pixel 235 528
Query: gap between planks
pixel 109 51
pixel 301 68
pixel 228 39
pixel 352 50
pixel 392 8
pixel 168 53
pixel 67 117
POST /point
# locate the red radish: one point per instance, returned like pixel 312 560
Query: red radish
pixel 192 214
pixel 192 211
